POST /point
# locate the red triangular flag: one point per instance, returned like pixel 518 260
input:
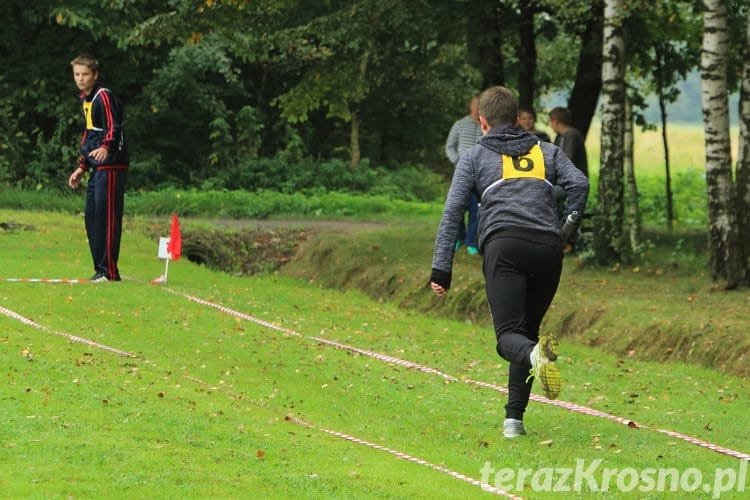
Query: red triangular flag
pixel 174 246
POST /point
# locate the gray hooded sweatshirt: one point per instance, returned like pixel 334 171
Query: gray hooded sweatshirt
pixel 513 175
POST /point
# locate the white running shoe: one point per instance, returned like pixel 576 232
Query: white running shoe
pixel 513 428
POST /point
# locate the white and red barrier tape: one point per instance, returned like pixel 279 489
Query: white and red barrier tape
pixel 404 456
pixel 399 454
pixel 74 338
pixel 47 280
pixel 573 407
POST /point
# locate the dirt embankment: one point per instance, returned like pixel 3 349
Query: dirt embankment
pixel 246 247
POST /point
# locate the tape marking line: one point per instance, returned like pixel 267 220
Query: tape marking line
pixel 404 456
pixel 74 338
pixel 573 407
pixel 352 439
pixel 47 280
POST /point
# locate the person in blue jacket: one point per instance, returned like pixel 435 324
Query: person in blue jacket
pixel 104 154
pixel 513 174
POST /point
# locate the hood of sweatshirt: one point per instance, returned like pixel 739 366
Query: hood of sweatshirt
pixel 509 140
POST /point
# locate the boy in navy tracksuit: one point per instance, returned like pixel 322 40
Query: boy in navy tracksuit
pixel 104 152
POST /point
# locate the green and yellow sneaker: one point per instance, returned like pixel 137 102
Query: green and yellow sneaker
pixel 542 369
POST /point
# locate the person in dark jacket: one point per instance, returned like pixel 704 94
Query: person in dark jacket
pixel 104 154
pixel 569 138
pixel 513 174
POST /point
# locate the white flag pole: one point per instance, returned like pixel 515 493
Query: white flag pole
pixel 166 268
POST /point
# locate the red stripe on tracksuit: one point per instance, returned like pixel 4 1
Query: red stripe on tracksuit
pixel 106 187
pixel 111 264
pixel 104 210
pixel 110 122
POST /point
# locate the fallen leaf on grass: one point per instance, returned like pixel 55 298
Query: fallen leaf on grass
pixel 546 442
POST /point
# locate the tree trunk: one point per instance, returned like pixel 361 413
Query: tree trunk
pixel 665 142
pixel 609 242
pixel 356 154
pixel 631 187
pixel 743 161
pixel 526 55
pixel 354 146
pixel 484 42
pixel 723 232
pixel 588 83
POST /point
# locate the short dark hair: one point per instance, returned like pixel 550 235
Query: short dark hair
pixel 86 60
pixel 498 105
pixel 560 114
pixel 527 110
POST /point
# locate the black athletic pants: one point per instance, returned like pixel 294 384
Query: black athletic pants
pixel 105 202
pixel 521 279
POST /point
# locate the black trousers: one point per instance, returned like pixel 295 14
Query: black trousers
pixel 105 202
pixel 521 278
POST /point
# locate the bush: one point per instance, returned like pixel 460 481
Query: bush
pixel 404 182
pixel 688 199
pixel 264 204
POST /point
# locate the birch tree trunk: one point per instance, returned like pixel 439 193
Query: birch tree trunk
pixel 743 161
pixel 724 245
pixel 610 243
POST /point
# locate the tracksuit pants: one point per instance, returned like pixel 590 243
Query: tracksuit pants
pixel 105 202
pixel 467 232
pixel 521 278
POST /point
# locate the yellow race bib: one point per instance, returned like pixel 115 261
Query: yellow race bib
pixel 530 165
pixel 87 106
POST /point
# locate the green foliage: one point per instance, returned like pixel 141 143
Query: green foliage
pixel 282 174
pixel 226 95
pixel 264 204
pixel 12 142
pixel 331 189
pixel 232 204
pixel 663 45
pixel 688 188
pixel 185 95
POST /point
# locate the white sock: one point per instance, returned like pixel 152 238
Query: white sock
pixel 533 354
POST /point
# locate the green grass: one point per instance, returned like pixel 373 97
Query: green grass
pixel 83 422
pixel 686 149
pixel 663 309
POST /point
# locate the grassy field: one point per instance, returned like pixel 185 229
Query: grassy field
pixel 214 404
pixel 686 149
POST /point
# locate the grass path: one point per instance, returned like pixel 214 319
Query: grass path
pixel 79 421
